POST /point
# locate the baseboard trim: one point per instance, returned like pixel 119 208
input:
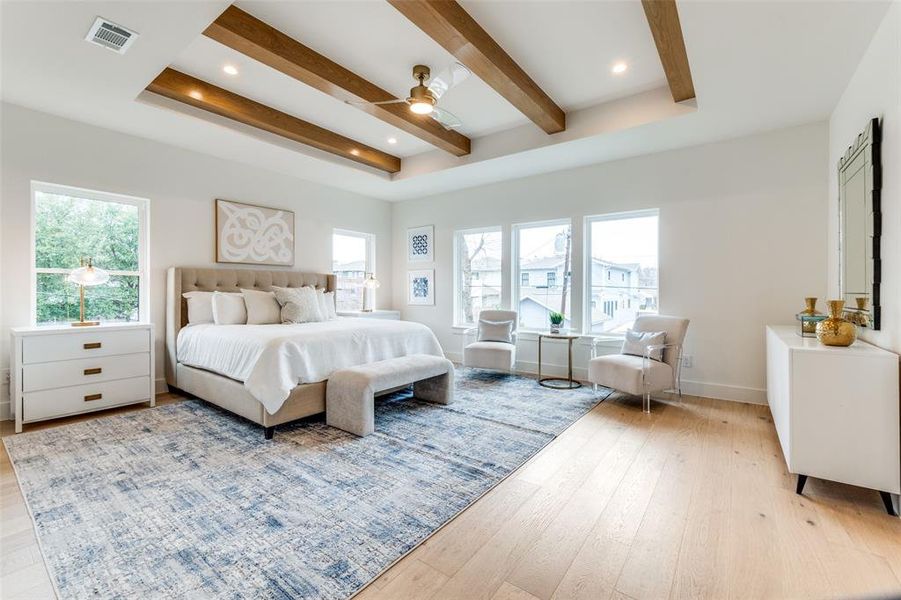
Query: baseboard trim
pixel 718 391
pixel 722 391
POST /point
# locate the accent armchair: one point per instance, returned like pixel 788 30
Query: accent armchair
pixel 643 375
pixel 487 346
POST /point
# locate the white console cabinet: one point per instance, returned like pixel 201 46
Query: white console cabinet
pixel 63 370
pixel 836 411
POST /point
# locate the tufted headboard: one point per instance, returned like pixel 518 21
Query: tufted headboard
pixel 186 279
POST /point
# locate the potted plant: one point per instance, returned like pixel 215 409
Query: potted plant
pixel 556 320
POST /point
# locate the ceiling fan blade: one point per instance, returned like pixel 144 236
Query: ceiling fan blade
pixel 361 102
pixel 446 119
pixel 452 75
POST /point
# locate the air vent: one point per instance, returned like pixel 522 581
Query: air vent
pixel 111 36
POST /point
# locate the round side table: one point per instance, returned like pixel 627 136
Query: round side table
pixel 558 383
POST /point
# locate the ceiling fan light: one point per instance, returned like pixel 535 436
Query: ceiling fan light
pixel 421 108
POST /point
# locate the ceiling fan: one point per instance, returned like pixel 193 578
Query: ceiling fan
pixel 424 98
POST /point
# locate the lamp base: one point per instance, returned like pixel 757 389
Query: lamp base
pixel 84 323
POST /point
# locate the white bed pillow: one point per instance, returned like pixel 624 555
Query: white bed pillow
pixel 262 307
pixel 495 331
pixel 200 307
pixel 299 305
pixel 229 308
pixel 637 342
pixel 327 305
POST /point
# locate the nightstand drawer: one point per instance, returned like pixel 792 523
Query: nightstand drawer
pixel 59 402
pixel 50 348
pixel 45 376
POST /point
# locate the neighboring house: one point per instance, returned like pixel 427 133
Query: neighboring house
pixel 350 284
pixel 621 291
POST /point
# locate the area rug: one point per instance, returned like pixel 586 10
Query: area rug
pixel 187 501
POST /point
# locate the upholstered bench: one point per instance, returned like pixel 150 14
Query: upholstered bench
pixel 350 393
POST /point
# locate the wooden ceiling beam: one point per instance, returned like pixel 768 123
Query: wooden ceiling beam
pixel 200 94
pixel 663 18
pixel 254 38
pixel 446 22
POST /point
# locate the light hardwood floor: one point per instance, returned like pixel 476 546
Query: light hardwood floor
pixel 692 501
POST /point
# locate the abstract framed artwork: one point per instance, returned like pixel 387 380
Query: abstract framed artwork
pixel 420 244
pixel 254 235
pixel 421 287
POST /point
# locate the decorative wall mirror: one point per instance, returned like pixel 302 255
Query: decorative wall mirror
pixel 860 226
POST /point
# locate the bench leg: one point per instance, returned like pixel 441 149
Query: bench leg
pixel 268 432
pixel 439 390
pixel 352 411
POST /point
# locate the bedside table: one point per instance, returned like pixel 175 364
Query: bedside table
pixel 61 370
pixel 393 315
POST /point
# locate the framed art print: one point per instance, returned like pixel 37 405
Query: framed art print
pixel 254 235
pixel 420 244
pixel 421 287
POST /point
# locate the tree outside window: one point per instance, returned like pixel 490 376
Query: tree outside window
pixel 478 273
pixel 70 225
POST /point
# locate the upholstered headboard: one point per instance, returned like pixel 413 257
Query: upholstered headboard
pixel 186 279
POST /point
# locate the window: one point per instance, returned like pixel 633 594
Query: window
pixel 353 256
pixel 71 224
pixel 545 248
pixel 627 244
pixel 477 267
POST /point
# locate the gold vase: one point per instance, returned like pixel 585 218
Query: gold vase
pixel 810 311
pixel 861 315
pixel 836 331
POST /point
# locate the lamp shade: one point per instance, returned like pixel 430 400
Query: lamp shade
pixel 88 276
pixel 372 282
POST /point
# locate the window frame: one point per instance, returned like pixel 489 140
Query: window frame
pixel 587 287
pixel 143 272
pixel 515 271
pixel 369 261
pixel 458 236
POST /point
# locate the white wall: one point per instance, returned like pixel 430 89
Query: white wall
pixel 874 91
pixel 181 186
pixel 742 242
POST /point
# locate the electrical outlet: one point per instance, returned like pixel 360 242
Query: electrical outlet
pixel 688 361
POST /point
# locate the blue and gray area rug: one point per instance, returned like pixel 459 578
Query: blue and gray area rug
pixel 186 501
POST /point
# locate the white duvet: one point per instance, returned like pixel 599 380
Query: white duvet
pixel 272 359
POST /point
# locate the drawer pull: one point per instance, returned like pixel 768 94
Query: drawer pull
pixel 90 397
pixel 92 345
pixel 94 371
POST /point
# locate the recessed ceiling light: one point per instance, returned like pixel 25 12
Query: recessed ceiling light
pixel 195 94
pixel 392 140
pixel 619 67
pixel 230 69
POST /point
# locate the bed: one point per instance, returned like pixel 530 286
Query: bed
pixel 272 374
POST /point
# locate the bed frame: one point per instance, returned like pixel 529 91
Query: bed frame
pixel 305 400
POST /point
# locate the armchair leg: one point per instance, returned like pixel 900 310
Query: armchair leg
pixel 594 386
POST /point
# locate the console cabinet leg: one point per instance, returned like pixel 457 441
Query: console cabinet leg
pixel 802 479
pixel 889 504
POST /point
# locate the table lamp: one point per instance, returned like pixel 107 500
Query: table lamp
pixel 369 287
pixel 86 275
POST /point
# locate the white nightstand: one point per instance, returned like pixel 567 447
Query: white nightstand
pixel 392 315
pixel 63 370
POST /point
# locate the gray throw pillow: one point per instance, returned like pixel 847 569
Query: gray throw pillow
pixel 495 331
pixel 299 305
pixel 637 342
